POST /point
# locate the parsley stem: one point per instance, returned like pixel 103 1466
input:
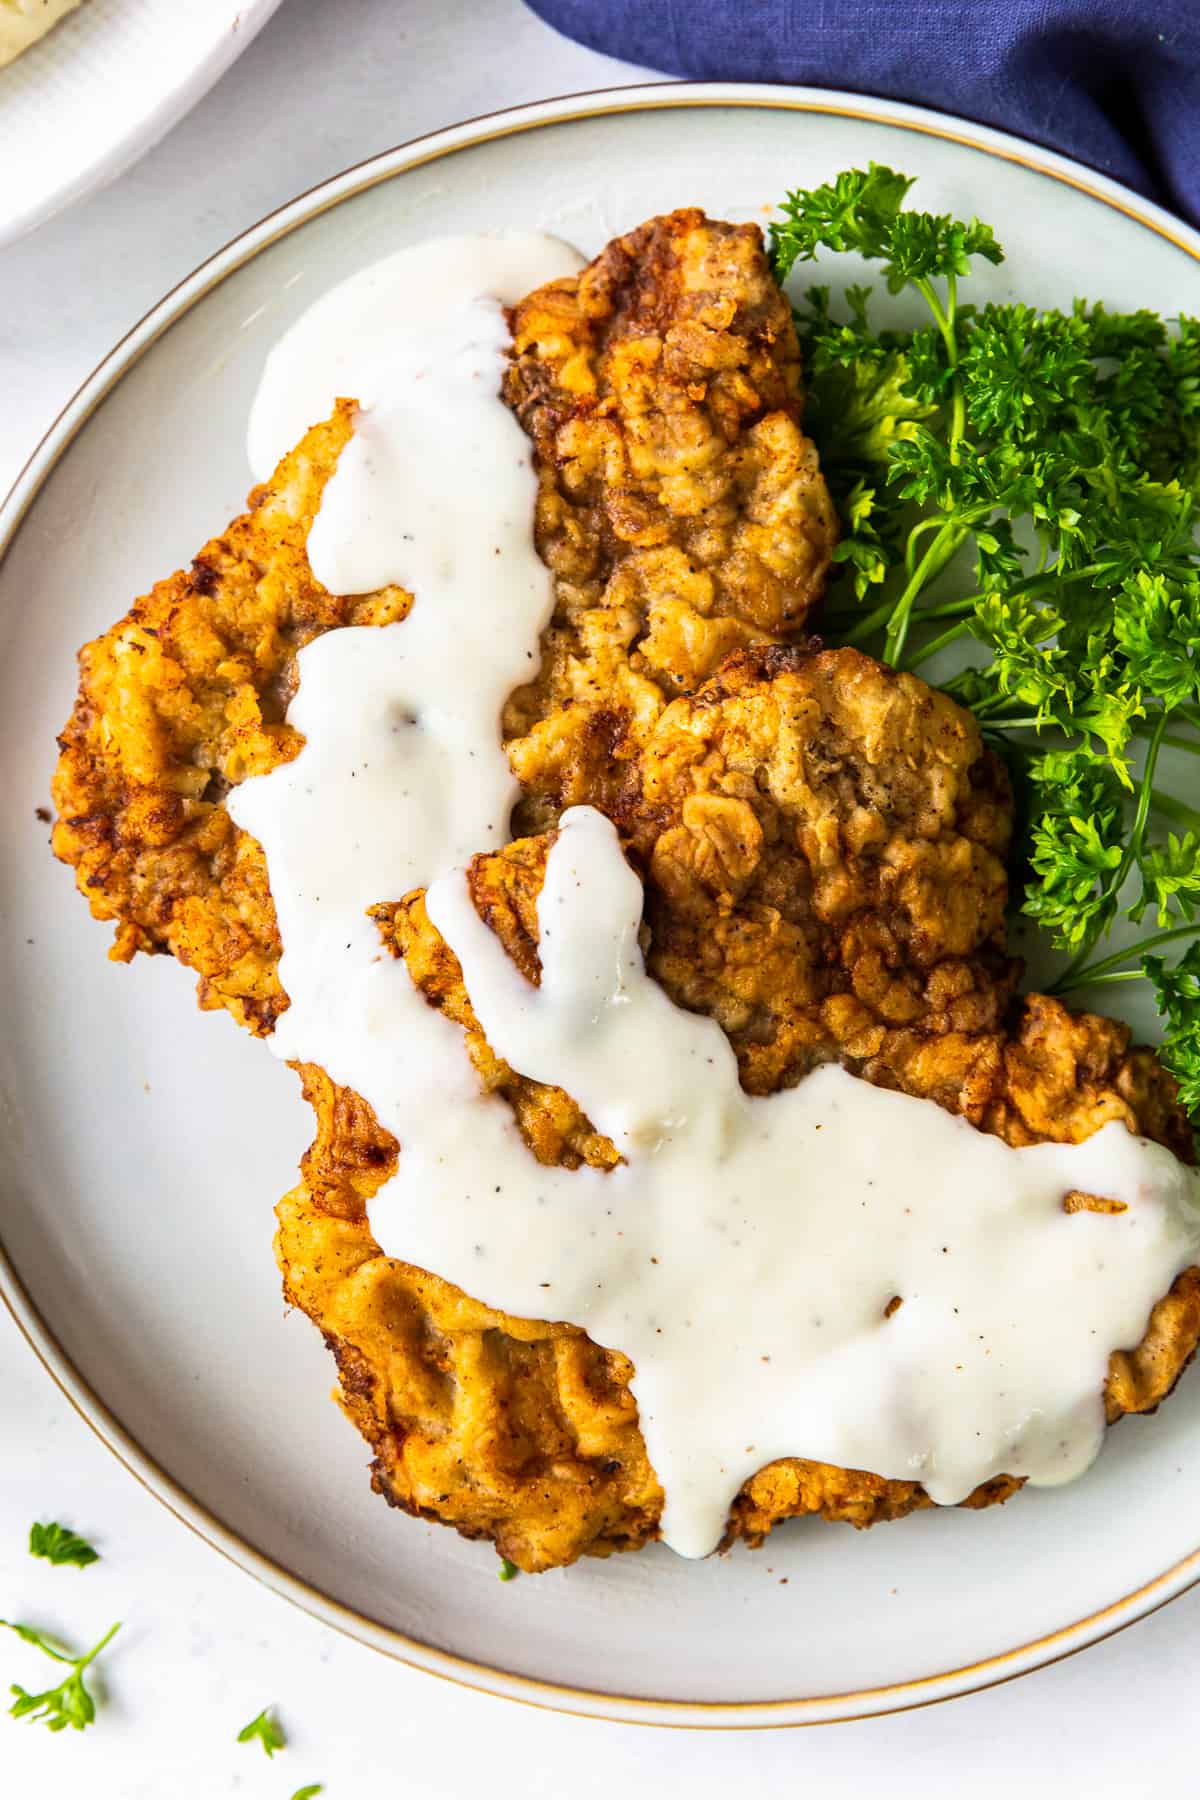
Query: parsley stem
pixel 1031 724
pixel 946 541
pixel 994 721
pixel 94 1652
pixel 949 636
pixel 1103 980
pixel 1133 844
pixel 1142 815
pixel 944 319
pixel 1072 978
pixel 48 1649
pixel 866 625
pixel 951 609
pixel 869 623
pixel 1049 579
pixel 865 628
pixel 997 721
pixel 918 531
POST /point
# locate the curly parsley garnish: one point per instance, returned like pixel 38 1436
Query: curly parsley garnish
pixel 1060 453
pixel 60 1545
pixel 69 1703
pixel 267 1730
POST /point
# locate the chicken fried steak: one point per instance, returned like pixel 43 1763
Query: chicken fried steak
pixel 680 509
pixel 822 843
pixel 527 1433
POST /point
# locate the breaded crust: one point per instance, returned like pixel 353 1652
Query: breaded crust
pixel 822 842
pixel 680 505
pixel 186 695
pixel 180 701
pixel 557 1465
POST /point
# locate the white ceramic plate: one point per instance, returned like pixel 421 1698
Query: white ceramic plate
pixel 142 1144
pixel 101 87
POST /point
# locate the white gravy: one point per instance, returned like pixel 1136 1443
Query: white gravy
pixel 364 338
pixel 745 1253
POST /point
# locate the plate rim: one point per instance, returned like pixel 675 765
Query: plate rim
pixel 125 148
pixel 892 1697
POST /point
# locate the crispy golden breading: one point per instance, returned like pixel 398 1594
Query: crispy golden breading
pixel 822 842
pixel 527 1433
pixel 824 846
pixel 178 702
pixel 661 388
pixel 680 506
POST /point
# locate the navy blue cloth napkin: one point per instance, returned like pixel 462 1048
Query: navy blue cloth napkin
pixel 1115 83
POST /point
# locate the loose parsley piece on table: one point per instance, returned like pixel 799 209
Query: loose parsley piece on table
pixel 1057 456
pixel 309 1793
pixel 69 1703
pixel 59 1545
pixel 267 1730
pixel 507 1571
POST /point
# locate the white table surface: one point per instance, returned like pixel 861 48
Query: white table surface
pixel 204 1648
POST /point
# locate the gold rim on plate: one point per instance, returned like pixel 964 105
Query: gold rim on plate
pixel 893 1697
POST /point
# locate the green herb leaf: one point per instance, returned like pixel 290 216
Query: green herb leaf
pixel 68 1704
pixel 1171 877
pixel 60 1545
pixel 507 1570
pixel 1177 991
pixel 923 245
pixel 1156 628
pixel 309 1793
pixel 266 1730
pixel 1058 453
pixel 857 211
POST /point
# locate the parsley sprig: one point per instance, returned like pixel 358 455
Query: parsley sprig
pixel 266 1730
pixel 1056 455
pixel 59 1545
pixel 68 1704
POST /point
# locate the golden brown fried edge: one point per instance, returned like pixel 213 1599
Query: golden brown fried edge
pixel 682 513
pixel 557 1464
pixel 661 388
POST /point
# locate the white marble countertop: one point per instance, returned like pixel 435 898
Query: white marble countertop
pixel 203 1647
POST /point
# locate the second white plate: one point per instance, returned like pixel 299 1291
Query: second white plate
pixel 101 87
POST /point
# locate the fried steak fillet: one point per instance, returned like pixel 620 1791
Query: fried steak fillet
pixel 822 843
pixel 680 506
pixel 832 832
